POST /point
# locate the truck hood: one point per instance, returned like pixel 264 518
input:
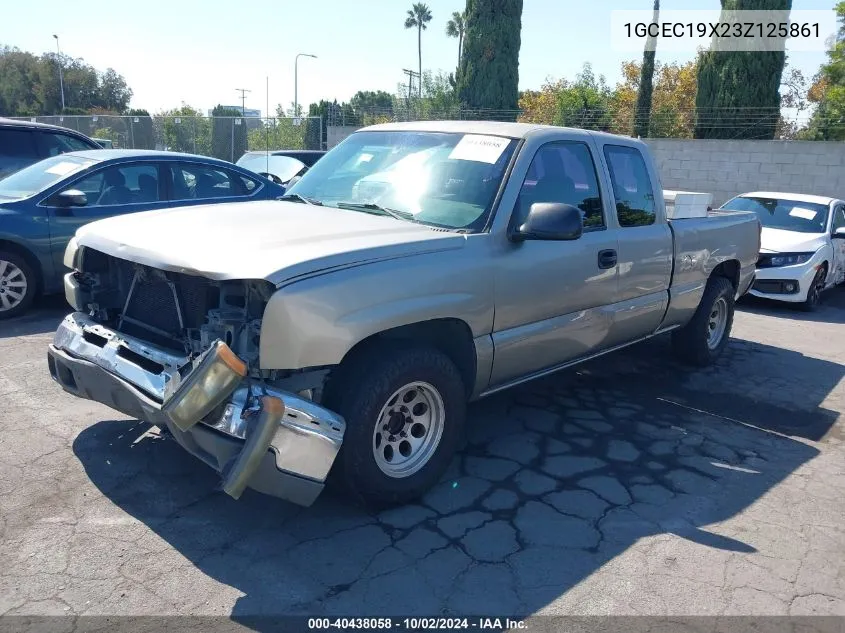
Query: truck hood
pixel 781 241
pixel 271 240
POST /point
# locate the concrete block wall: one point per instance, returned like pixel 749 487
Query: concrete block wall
pixel 726 168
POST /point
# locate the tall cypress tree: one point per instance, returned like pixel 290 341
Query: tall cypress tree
pixel 738 92
pixel 642 113
pixel 488 77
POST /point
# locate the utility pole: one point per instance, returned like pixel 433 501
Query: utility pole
pixel 243 92
pixel 411 74
pixel 61 78
pixel 296 81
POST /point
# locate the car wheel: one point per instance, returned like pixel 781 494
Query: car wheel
pixel 702 340
pixel 404 409
pixel 814 292
pixel 17 285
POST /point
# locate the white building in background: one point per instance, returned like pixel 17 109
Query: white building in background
pixel 247 112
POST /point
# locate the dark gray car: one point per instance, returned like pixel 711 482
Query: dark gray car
pixel 25 142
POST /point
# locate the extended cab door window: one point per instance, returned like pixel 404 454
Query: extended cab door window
pixel 632 187
pixel 564 172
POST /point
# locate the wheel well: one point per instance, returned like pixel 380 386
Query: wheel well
pixel 729 270
pixel 452 337
pixel 26 254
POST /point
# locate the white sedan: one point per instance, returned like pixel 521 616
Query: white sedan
pixel 802 250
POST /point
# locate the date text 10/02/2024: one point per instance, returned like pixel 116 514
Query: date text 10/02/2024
pixel 417 624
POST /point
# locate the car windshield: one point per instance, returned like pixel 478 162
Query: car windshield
pixel 444 180
pixel 38 177
pixel 283 167
pixel 785 214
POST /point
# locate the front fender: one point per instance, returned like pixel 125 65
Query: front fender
pixel 316 321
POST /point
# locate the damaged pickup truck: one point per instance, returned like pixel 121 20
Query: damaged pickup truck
pixel 418 266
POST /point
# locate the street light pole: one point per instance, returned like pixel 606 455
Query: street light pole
pixel 61 77
pixel 296 81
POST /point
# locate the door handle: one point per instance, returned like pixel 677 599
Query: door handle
pixel 607 258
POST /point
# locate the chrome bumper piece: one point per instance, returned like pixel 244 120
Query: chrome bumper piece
pixel 94 362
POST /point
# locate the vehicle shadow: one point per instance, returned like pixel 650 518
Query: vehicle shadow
pixel 44 316
pixel 558 478
pixel 831 310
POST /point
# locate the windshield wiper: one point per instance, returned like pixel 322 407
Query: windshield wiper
pixel 295 197
pixel 372 207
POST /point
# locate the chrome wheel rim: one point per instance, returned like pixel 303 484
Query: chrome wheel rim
pixel 717 323
pixel 408 430
pixel 13 286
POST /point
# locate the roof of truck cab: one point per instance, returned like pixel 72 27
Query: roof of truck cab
pixel 780 195
pixel 491 128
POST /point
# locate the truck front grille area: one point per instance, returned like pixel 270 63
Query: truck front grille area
pixel 158 306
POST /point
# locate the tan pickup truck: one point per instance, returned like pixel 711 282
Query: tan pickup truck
pixel 340 332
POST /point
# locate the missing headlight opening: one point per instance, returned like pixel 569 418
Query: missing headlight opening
pixel 176 311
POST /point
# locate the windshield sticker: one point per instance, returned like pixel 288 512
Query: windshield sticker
pixel 63 169
pixel 478 148
pixel 805 214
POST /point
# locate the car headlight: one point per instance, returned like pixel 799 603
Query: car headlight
pixel 71 253
pixel 212 380
pixel 785 259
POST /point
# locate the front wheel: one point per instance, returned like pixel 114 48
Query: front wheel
pixel 701 340
pixel 17 285
pixel 814 292
pixel 404 409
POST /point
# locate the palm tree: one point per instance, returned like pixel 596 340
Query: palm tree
pixel 419 15
pixel 455 28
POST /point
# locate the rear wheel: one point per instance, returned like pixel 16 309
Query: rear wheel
pixel 17 285
pixel 701 340
pixel 404 409
pixel 814 292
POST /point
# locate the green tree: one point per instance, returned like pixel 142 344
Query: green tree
pixel 828 91
pixel 488 78
pixel 228 138
pixel 455 28
pixel 642 113
pixel 738 92
pixel 419 15
pixel 372 103
pixel 114 94
pixel 185 129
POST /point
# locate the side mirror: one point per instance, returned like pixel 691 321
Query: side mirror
pixel 70 198
pixel 550 221
pixel 839 234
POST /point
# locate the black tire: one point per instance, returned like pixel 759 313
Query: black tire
pixel 18 306
pixel 361 389
pixel 814 292
pixel 691 343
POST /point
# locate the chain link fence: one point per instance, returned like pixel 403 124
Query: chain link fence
pixel 226 138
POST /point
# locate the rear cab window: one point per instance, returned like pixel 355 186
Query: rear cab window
pixel 633 190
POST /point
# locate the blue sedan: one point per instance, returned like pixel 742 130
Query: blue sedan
pixel 42 205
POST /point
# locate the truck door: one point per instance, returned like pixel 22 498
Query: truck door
pixel 645 246
pixel 551 297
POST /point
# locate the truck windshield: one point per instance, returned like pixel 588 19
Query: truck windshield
pixel 788 215
pixel 445 180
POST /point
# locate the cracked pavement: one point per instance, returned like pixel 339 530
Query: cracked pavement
pixel 628 486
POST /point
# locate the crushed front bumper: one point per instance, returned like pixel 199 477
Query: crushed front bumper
pixel 91 361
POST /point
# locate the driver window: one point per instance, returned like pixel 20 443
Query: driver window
pixel 563 172
pixel 121 184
